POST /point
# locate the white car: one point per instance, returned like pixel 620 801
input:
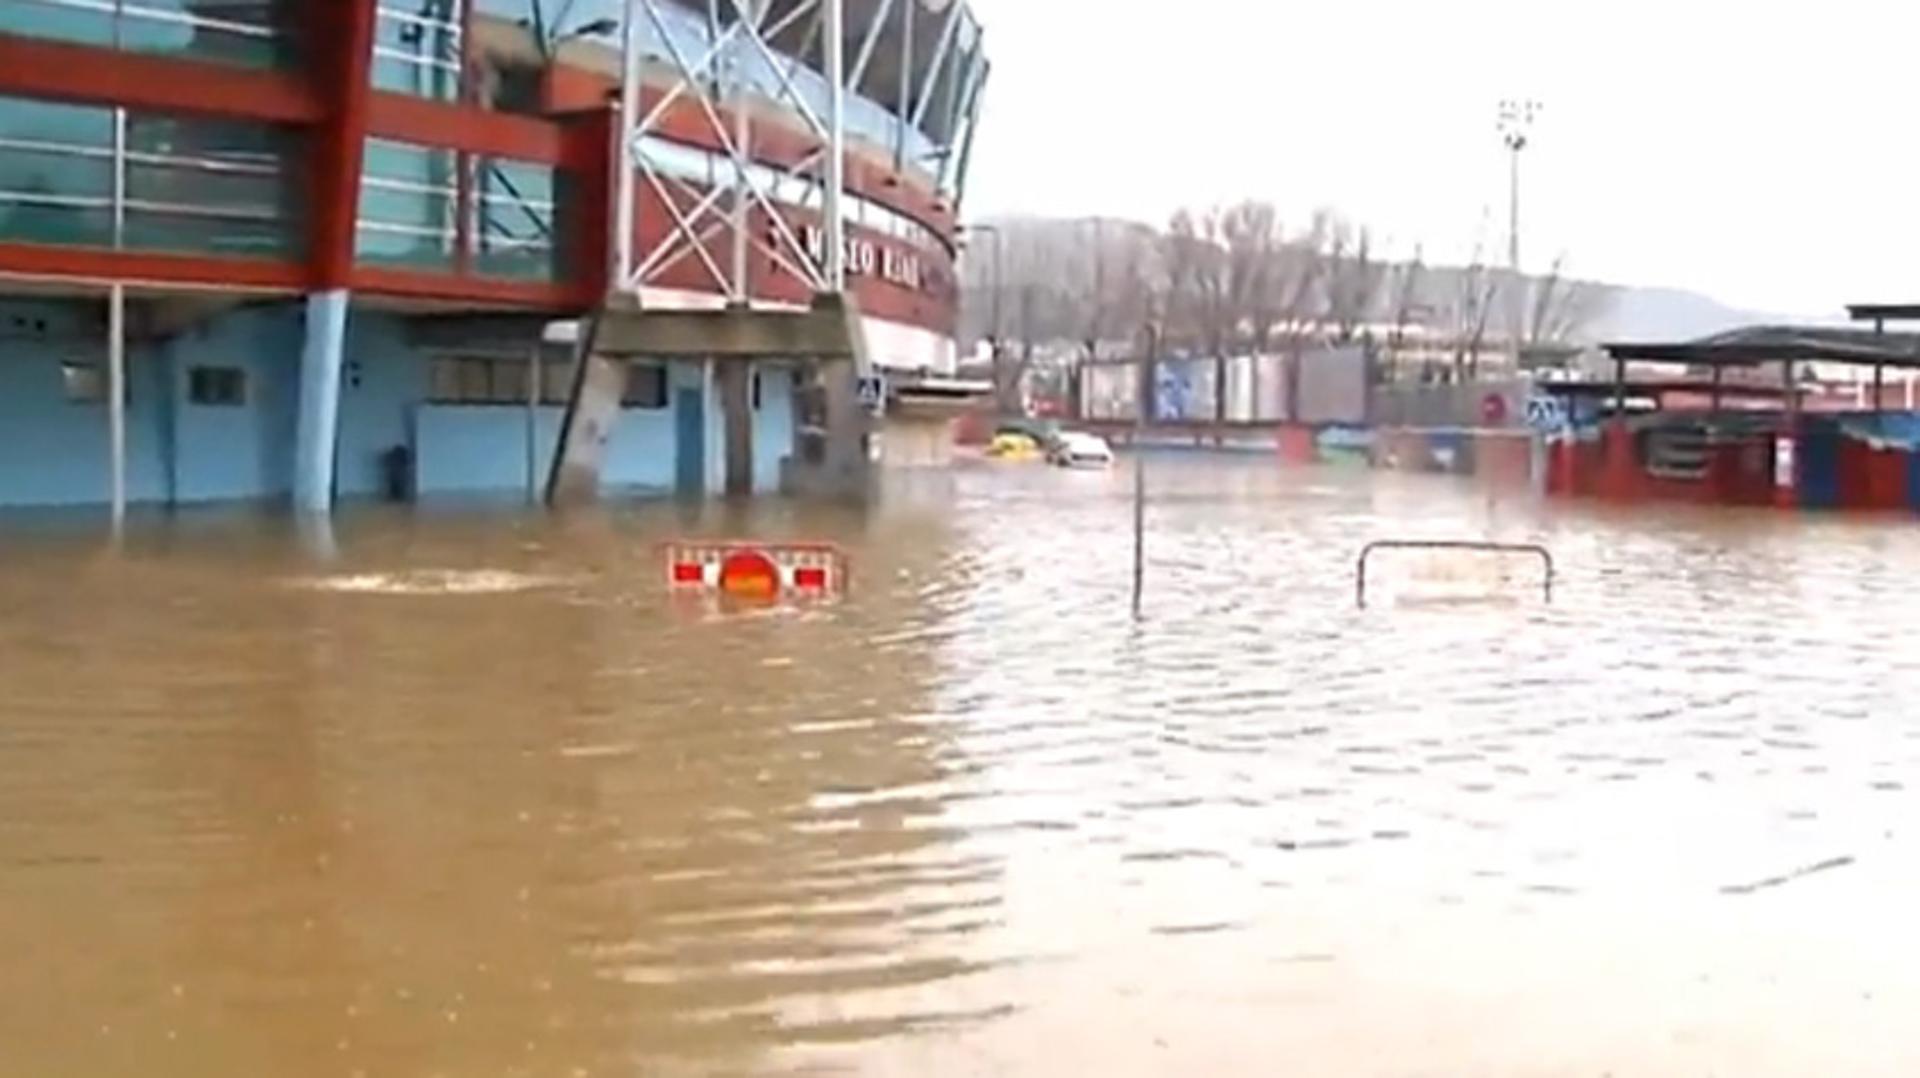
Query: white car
pixel 1077 450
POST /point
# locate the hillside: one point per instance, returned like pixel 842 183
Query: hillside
pixel 1048 269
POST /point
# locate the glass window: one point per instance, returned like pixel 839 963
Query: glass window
pixel 247 33
pixel 443 380
pixel 476 381
pixel 56 172
pixel 215 186
pixel 510 381
pixel 515 237
pixel 192 184
pixel 416 48
pixel 409 200
pixel 485 380
pixel 217 386
pixel 646 386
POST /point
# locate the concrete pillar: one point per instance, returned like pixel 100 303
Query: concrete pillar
pixel 317 428
pixel 847 424
pixel 599 383
pixel 117 404
pixel 831 452
pixel 736 408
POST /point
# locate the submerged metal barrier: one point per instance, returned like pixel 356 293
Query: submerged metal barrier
pixel 1360 574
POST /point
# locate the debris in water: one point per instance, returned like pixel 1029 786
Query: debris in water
pixel 1775 881
pixel 430 582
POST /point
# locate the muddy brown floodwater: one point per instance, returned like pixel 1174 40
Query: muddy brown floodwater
pixel 476 798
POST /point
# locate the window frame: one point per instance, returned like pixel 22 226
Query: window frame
pixel 657 374
pixel 217 385
pixel 457 380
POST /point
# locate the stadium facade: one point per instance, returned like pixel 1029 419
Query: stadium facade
pixel 305 240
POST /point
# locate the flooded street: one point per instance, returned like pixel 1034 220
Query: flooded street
pixel 477 797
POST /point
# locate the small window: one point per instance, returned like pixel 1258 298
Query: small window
pixel 486 380
pixel 510 381
pixel 646 386
pixel 755 390
pixel 85 383
pixel 476 382
pixel 220 386
pixel 444 380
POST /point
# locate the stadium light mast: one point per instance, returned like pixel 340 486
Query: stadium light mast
pixel 1516 132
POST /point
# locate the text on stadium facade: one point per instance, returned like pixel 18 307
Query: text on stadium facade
pixel 866 258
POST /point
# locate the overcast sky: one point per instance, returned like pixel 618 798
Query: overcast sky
pixel 1763 154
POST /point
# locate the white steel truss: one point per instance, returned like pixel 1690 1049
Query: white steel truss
pixel 713 80
pixel 940 78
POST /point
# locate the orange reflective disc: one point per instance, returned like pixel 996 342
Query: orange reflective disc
pixel 749 574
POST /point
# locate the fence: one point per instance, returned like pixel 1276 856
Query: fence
pixel 1462 405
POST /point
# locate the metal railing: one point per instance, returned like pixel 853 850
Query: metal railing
pixel 1366 552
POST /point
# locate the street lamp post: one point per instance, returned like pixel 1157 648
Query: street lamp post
pixel 1516 131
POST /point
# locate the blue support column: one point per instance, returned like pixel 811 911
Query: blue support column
pixel 317 429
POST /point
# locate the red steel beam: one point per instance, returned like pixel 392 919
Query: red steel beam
pixel 560 298
pixel 342 35
pixel 51 69
pixel 34 260
pixel 437 123
pixel 583 221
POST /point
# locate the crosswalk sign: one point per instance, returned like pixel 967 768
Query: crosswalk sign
pixel 1546 412
pixel 872 389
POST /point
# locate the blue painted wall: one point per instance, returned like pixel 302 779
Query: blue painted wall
pixel 56 453
pixel 469 449
pixel 53 452
pixel 385 381
pixel 472 448
pixel 237 452
pixel 772 425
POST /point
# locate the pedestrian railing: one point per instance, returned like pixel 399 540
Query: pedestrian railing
pixel 1532 549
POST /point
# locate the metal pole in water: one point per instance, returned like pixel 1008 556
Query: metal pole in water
pixel 536 373
pixel 117 401
pixel 1139 524
pixel 1141 390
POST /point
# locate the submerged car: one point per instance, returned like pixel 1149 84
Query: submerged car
pixel 1074 449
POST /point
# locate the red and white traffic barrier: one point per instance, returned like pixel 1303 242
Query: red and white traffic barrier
pixel 756 570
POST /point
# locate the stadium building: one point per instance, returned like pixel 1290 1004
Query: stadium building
pixel 351 249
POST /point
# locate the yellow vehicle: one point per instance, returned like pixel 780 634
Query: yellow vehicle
pixel 1014 446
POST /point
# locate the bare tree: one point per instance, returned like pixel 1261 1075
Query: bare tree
pixel 1135 284
pixel 1478 291
pixel 1562 308
pixel 1033 269
pixel 1011 295
pixel 1407 280
pixel 1197 284
pixel 1300 268
pixel 1353 282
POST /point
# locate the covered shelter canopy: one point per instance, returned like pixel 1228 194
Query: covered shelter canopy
pixel 1884 312
pixel 1658 387
pixel 1754 345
